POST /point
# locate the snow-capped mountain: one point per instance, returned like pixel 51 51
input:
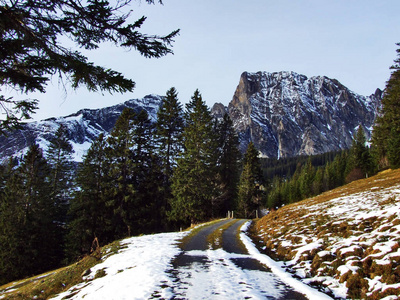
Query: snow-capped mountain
pixel 287 114
pixel 284 113
pixel 83 127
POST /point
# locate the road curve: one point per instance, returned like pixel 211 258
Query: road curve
pixel 214 264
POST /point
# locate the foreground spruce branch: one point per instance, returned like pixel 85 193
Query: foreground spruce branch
pixel 33 50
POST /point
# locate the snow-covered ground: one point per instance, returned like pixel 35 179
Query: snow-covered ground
pixel 143 270
pixel 350 243
pixel 136 272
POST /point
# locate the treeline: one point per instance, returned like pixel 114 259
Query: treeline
pixel 311 179
pixel 285 167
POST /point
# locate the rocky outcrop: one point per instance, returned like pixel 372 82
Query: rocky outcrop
pixel 287 114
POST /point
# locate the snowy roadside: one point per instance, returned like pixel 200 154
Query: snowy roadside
pixel 140 271
pixel 136 272
pixel 278 268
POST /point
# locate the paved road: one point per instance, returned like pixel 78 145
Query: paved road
pixel 214 264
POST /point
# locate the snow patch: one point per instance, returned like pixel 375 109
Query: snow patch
pixel 278 269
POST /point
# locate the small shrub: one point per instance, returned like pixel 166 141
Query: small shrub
pixel 100 273
pixel 385 293
pixel 354 175
pixel 357 286
pixel 390 200
pixel 345 276
pixel 384 270
pixel 335 265
pixel 392 217
pixel 358 252
pixel 385 228
pixel 366 267
pixel 295 239
pixel 396 222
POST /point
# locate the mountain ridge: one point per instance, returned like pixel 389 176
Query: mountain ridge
pixel 287 114
pixel 83 127
pixel 284 113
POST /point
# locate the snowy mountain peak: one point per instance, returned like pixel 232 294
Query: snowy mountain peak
pixel 287 114
pixel 83 127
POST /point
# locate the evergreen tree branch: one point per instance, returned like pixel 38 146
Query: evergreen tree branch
pixel 31 50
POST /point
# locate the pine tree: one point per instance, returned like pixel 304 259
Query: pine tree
pixel 386 132
pixel 306 179
pixel 193 181
pixel 393 147
pixel 89 215
pixel 379 142
pixel 169 129
pixel 340 165
pixel 251 180
pixel 294 183
pixel 12 259
pixel 361 163
pixel 44 233
pixel 228 166
pixel 27 218
pixel 169 139
pixel 121 190
pixel 59 158
pixel 275 198
pixel 146 211
pixel 317 185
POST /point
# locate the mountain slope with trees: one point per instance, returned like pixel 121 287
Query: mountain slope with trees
pixel 303 116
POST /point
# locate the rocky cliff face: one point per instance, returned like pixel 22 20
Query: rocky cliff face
pixel 83 127
pixel 287 114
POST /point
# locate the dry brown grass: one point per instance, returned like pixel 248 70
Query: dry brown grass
pixel 49 284
pixel 283 231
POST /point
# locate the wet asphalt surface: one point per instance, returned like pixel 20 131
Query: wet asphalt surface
pixel 195 259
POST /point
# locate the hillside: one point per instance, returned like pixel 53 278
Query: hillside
pixel 346 240
pixel 212 260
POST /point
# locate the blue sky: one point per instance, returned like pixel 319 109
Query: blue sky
pixel 350 40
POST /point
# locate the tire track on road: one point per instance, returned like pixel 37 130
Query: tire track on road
pixel 222 269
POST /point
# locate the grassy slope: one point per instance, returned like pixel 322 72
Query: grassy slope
pixel 347 239
pixel 51 283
